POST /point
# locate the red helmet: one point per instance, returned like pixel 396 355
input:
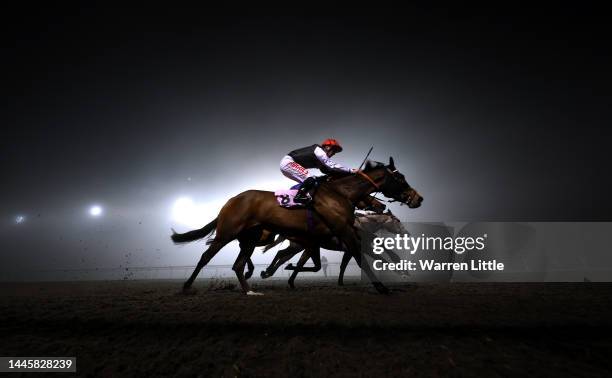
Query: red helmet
pixel 333 143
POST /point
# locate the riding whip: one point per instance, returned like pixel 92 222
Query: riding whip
pixel 366 158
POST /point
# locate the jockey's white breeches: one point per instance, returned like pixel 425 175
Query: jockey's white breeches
pixel 293 170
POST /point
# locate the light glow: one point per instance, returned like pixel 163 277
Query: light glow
pixel 95 211
pixel 189 213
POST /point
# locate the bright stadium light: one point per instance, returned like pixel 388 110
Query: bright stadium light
pixel 19 219
pixel 183 210
pixel 95 211
pixel 189 213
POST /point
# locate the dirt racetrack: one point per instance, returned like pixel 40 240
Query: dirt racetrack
pixel 145 328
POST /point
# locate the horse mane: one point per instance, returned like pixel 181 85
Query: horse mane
pixel 372 164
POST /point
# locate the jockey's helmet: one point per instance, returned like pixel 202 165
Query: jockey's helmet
pixel 333 144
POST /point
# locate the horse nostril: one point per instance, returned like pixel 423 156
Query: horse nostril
pixel 420 199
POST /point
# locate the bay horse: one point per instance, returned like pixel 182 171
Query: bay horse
pixel 248 214
pixel 267 239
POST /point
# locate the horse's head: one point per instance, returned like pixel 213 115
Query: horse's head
pixel 387 221
pixel 393 184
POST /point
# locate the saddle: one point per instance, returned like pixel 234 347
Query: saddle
pixel 286 197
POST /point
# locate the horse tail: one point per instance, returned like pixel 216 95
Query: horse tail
pixel 195 234
pixel 279 239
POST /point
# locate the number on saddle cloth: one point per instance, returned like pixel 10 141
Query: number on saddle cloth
pixel 284 197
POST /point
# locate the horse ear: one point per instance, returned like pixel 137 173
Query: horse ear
pixel 391 163
pixel 368 165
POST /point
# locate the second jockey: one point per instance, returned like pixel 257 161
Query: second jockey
pixel 296 163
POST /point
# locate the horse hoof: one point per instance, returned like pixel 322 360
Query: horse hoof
pixel 251 292
pixel 248 275
pixel 265 274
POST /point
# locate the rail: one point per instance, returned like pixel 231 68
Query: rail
pixel 164 272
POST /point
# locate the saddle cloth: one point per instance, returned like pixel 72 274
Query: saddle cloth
pixel 284 197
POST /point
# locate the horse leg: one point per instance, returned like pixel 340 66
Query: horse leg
pixel 285 255
pixel 267 272
pixel 346 257
pixel 281 257
pixel 395 258
pixel 248 241
pixel 305 256
pixel 315 255
pixel 206 257
pixel 250 267
pixel 228 228
pixel 353 245
pixel 238 267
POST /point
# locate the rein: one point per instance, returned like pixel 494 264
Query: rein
pixel 369 179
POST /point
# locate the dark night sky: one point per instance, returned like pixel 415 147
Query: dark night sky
pixel 490 114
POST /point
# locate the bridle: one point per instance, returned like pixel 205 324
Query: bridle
pixel 369 179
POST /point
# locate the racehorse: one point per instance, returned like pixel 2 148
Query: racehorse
pixel 247 215
pixel 369 203
pixel 366 224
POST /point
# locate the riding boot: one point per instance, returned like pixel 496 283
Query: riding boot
pixel 302 196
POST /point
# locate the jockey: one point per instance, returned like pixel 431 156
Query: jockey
pixel 295 165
